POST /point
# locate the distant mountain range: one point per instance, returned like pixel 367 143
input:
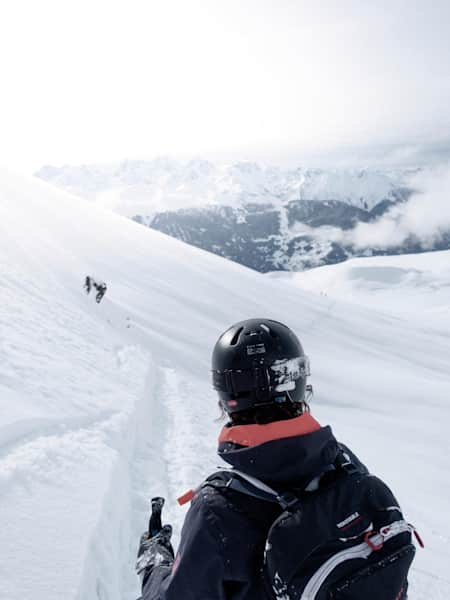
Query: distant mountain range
pixel 262 217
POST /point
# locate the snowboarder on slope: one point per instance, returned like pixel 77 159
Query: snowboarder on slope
pixel 87 284
pixel 260 373
pixel 99 286
pixel 101 291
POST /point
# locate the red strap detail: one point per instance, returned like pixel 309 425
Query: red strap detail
pixel 400 595
pixel 187 497
pixel 372 545
pixel 418 538
pixel 176 562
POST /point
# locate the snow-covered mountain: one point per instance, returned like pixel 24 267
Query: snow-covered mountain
pixel 166 184
pixel 103 405
pixel 262 217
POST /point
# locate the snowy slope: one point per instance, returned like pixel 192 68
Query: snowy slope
pixel 417 284
pixel 104 405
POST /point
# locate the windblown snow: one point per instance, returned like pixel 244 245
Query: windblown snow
pixel 104 405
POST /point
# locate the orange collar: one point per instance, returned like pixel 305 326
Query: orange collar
pixel 253 435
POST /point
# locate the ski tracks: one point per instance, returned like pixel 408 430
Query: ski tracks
pixel 171 452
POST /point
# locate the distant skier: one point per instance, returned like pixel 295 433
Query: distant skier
pixel 101 291
pixel 298 517
pixel 99 286
pixel 87 284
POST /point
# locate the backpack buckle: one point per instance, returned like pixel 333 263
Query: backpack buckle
pixel 287 500
pixel 374 540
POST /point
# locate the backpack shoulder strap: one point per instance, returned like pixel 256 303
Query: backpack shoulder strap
pixel 344 461
pixel 251 486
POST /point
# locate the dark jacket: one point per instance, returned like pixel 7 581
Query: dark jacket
pixel 223 537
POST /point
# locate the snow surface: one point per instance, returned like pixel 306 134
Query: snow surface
pixel 414 284
pixel 102 406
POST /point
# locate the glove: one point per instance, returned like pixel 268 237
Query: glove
pixel 154 552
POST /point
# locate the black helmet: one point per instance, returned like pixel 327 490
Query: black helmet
pixel 258 362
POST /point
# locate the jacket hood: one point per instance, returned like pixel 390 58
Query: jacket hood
pixel 296 450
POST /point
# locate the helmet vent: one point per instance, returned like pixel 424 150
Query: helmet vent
pixel 264 327
pixel 235 337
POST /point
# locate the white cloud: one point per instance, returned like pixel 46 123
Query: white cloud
pixel 426 215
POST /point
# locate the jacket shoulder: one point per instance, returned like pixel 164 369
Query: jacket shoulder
pixel 353 458
pixel 241 524
pixel 228 506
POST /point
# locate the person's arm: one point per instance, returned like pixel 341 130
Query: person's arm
pixel 197 573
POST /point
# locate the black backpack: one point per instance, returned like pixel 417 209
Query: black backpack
pixel 343 537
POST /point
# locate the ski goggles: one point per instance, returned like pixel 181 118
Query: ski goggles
pixel 280 376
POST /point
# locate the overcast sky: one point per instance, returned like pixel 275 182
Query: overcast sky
pixel 284 81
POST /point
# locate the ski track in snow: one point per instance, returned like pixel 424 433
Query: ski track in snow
pixel 161 459
pixel 104 406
